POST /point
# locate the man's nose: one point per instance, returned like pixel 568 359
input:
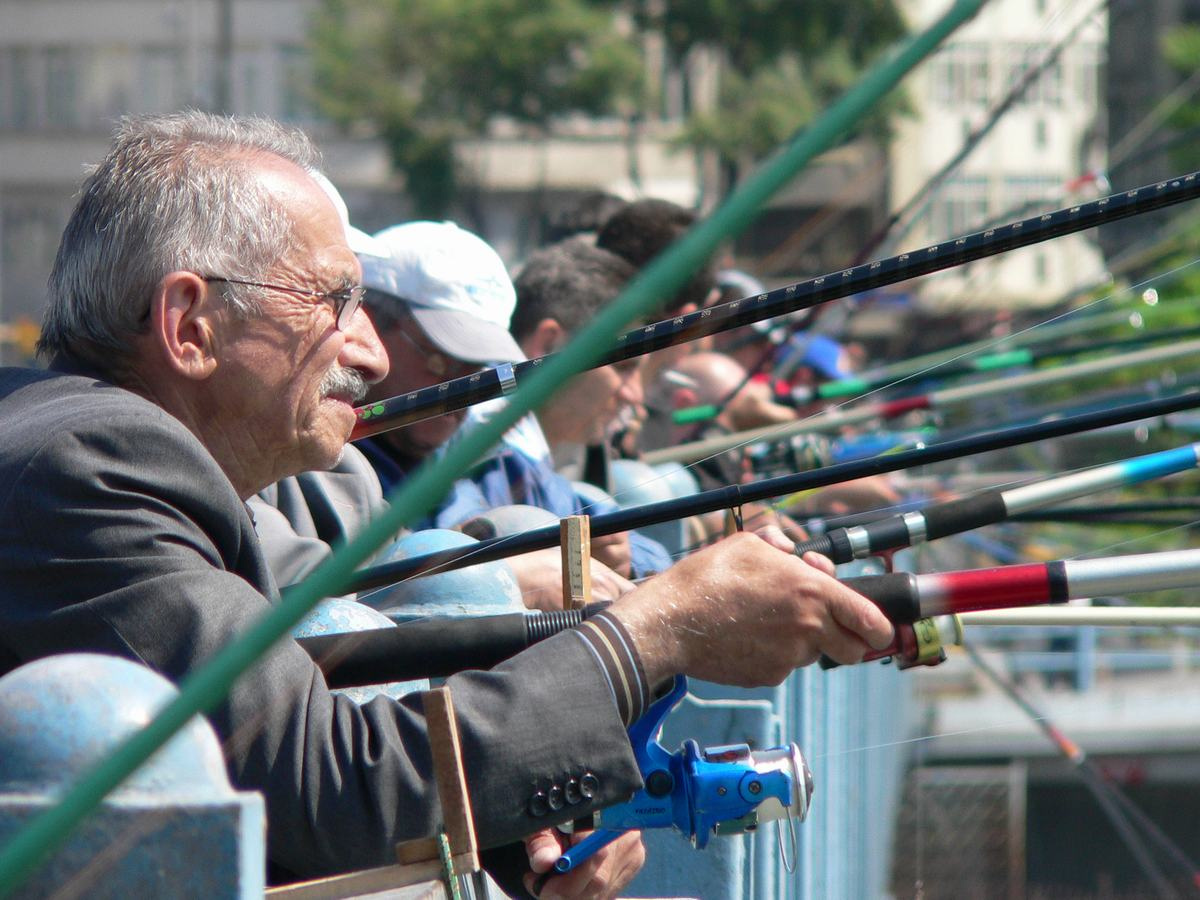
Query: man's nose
pixel 363 349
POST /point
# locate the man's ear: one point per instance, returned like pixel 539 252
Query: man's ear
pixel 548 336
pixel 183 324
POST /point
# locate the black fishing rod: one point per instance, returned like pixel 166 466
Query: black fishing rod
pixel 502 380
pixel 1155 512
pixel 441 646
pixel 992 506
pixel 869 410
pixel 931 184
pixel 734 496
pixel 434 648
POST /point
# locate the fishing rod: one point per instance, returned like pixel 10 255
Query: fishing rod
pixel 1120 616
pixel 1144 513
pixel 844 388
pixel 1079 320
pixel 503 380
pixel 906 598
pixel 837 419
pixel 808 451
pixel 440 647
pixel 733 496
pixel 908 211
pixel 1119 809
pixel 940 520
pixel 436 647
pixel 204 688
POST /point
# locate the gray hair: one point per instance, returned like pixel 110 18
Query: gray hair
pixel 570 282
pixel 175 192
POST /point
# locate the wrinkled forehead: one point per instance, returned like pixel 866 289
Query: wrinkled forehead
pixel 319 233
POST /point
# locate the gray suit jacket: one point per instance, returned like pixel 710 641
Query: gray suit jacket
pixel 119 534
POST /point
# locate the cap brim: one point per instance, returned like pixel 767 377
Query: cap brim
pixel 466 337
pixel 364 244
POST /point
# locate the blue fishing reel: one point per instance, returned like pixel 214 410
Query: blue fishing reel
pixel 719 790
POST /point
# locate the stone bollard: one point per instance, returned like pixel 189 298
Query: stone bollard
pixel 486 589
pixel 338 615
pixel 175 828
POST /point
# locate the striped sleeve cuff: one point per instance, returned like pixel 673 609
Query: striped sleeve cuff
pixel 609 643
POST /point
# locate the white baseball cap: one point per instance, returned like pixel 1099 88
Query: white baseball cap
pixel 453 283
pixel 360 242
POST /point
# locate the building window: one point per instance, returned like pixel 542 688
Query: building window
pixel 1088 63
pixel 959 75
pixel 16 88
pixel 961 207
pixel 30 228
pixel 295 80
pixel 62 86
pixel 158 79
pixel 1029 195
pixel 1040 136
pixel 1047 89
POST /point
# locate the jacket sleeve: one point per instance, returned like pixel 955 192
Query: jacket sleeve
pixel 122 536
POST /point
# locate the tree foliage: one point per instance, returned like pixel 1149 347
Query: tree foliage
pixel 426 73
pixel 782 64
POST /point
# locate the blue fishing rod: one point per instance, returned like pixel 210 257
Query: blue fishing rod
pixel 992 506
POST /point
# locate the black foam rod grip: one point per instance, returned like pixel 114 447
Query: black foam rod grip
pixel 959 516
pixel 895 593
pixel 431 648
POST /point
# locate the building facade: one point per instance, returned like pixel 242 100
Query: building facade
pixel 1045 152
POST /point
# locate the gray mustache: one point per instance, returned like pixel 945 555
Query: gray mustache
pixel 344 382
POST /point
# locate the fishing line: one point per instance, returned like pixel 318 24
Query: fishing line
pixel 921 739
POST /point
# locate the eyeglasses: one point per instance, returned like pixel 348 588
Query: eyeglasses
pixel 345 301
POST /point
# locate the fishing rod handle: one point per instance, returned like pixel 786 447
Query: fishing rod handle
pixel 843 545
pixel 434 648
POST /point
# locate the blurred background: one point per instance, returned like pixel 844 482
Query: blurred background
pixel 520 119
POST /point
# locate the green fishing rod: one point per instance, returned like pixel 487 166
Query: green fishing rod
pixel 205 687
pixel 848 388
pixel 857 414
pixel 1065 325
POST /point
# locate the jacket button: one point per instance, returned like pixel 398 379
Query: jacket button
pixel 556 799
pixel 539 804
pixel 589 785
pixel 572 791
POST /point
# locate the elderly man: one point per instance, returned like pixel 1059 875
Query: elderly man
pixel 203 341
pixel 440 300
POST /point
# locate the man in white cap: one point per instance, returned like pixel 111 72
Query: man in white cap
pixel 441 301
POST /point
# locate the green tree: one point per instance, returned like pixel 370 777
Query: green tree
pixel 424 74
pixel 781 63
